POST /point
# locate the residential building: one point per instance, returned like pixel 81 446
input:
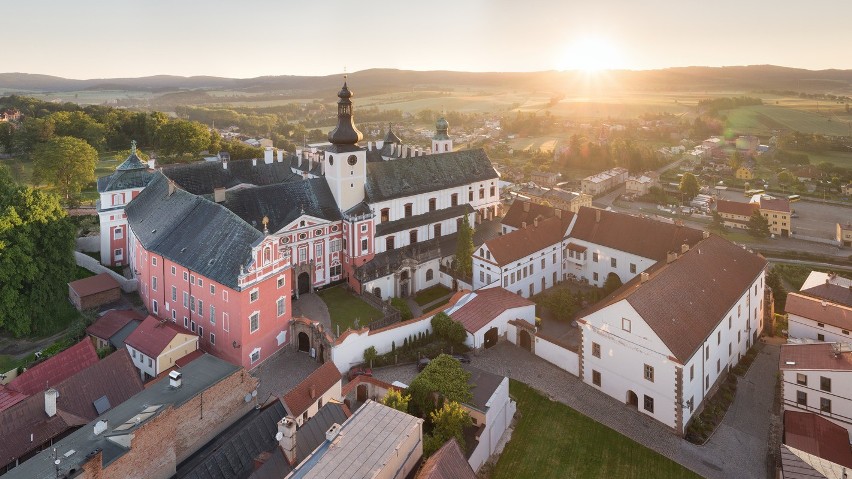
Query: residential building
pixel 388 444
pixel 811 440
pixel 777 213
pixel 151 432
pixel 735 214
pixel 491 411
pixel 641 185
pixel 747 144
pixel 156 344
pixel 843 234
pixel 523 213
pixel 485 315
pixel 663 341
pixel 307 398
pixel 566 200
pixel 605 181
pixel 545 178
pixel 112 328
pixel 822 309
pixel 94 291
pixel 51 413
pixel 448 462
pixel 817 378
pixel 10 114
pixel 744 173
pixel 846 189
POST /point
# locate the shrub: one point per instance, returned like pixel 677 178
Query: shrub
pixel 402 306
pixel 370 355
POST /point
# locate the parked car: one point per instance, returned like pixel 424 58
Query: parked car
pixel 462 358
pixel 422 363
pixel 359 371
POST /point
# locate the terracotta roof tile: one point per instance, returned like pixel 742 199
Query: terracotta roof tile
pixel 111 322
pixel 632 234
pixel 448 462
pixel 819 310
pixel 526 211
pixel 814 356
pixel 55 369
pixel 775 204
pixel 831 292
pixel 735 208
pixel 351 385
pixel 526 241
pixel 152 336
pixel 9 397
pixel 94 284
pixel 817 435
pixel 299 399
pixel 485 306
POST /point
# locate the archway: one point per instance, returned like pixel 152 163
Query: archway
pixel 361 393
pixel 304 283
pixel 526 340
pixel 491 337
pixel 632 399
pixel 304 342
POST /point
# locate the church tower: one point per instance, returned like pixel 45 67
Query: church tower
pixel 441 142
pixel 345 161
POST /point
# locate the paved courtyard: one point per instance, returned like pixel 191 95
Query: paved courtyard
pixel 283 372
pixel 312 307
pixel 738 449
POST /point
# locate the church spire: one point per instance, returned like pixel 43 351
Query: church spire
pixel 345 132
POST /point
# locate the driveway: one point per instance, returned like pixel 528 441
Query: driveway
pixel 737 450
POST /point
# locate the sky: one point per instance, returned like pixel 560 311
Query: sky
pixel 242 39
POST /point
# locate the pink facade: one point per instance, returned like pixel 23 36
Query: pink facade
pixel 244 326
pixel 359 246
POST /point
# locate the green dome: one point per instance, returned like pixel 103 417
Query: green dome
pixel 441 124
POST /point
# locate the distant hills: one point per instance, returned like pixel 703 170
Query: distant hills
pixel 744 78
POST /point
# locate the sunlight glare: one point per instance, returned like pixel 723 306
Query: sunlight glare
pixel 590 54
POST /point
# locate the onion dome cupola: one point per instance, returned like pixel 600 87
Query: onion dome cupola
pixel 441 127
pixel 345 132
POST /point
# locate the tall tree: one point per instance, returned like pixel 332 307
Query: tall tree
pixel 464 249
pixel 443 376
pixel 397 400
pixel 448 422
pixel 181 137
pixel 65 162
pixel 758 225
pixel 689 185
pixel 36 257
pixel 79 125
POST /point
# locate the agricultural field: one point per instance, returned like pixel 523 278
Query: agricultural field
pixel 762 119
pixel 543 143
pixel 87 97
pixel 837 158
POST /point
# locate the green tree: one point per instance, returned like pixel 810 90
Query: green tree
pixel 397 400
pixel 735 160
pixel 689 185
pixel 443 376
pixel 36 257
pixel 31 132
pixel 65 162
pixel 79 125
pixel 464 249
pixel 787 179
pixel 717 223
pixel 370 355
pixel 448 422
pixel 612 283
pixel 779 292
pixel 7 135
pixel 758 225
pixel 448 328
pixel 181 137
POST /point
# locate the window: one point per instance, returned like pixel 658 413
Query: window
pixel 482 276
pixel 192 279
pixel 155 306
pixel 226 324
pixel 649 404
pixel 596 378
pixel 691 372
pixel 150 363
pixel 492 191
pixel 385 215
pixel 596 350
pixel 201 331
pixel 185 322
pixel 430 275
pixel 594 276
pixel 253 296
pixel 454 199
pixel 174 271
pixel 845 331
pixel 185 276
pixel 612 262
pixel 802 398
pixel 433 204
pixel 649 373
pixel 336 269
pixel 174 293
pixel 554 258
pixel 185 299
pixel 437 229
pixel 505 281
pixel 706 352
pixel 389 243
pixel 595 257
pixel 412 236
pixel 706 382
pixel 718 366
pixel 119 253
pixel 200 282
pixel 730 348
pixel 254 322
pixel 625 324
pixel 542 263
pixel 820 337
pixel 303 254
pixel 255 356
pixel 364 245
pixel 825 384
pixel 481 193
pixel 408 209
pixel 212 314
pixel 212 339
pixel 118 233
pixel 633 268
pixel 825 405
pixel 174 315
pixel 802 379
pixel 281 282
pixel 282 307
pixel 718 337
pixel 154 260
pixel 192 326
pixel 729 322
pixel 213 289
pixel 153 283
pixel 318 250
pixel 470 196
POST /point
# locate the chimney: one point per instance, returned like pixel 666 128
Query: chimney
pixel 254 162
pixel 670 256
pixel 171 187
pixel 268 155
pixel 643 277
pixel 219 195
pixel 380 144
pixel 175 380
pixel 705 234
pixel 280 155
pixel 100 427
pixel 286 438
pixel 558 212
pixel 597 216
pixel 313 391
pixel 151 163
pixel 526 206
pixel 684 248
pixel 332 432
pixel 224 164
pixel 393 148
pixel 535 222
pixel 50 397
pixel 523 225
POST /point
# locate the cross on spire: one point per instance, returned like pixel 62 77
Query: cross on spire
pixel 132 147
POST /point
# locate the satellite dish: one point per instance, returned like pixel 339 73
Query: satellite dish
pixel 279 436
pixel 247 398
pixel 254 393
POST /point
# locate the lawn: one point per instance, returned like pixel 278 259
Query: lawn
pixel 344 308
pixel 762 119
pixel 553 440
pixel 431 294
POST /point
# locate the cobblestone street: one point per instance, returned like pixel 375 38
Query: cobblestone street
pixel 737 449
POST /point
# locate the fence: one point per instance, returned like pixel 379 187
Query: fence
pixel 391 314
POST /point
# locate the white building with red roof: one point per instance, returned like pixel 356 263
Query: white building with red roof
pixel 822 309
pixel 156 344
pixel 485 315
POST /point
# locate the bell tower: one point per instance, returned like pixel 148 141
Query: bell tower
pixel 441 142
pixel 345 161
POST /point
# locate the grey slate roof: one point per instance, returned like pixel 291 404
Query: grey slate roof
pixel 284 202
pixel 391 137
pixel 410 176
pixel 403 224
pixel 117 339
pixel 124 179
pixel 192 231
pixel 482 385
pixel 388 262
pixel 132 163
pixel 201 178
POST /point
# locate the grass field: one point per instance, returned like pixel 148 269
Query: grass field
pixel 761 120
pixel 431 294
pixel 344 308
pixel 837 158
pixel 553 440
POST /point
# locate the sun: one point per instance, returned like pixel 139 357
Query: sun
pixel 590 54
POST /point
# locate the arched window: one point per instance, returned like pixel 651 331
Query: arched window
pixel 377 292
pixel 267 255
pixel 429 275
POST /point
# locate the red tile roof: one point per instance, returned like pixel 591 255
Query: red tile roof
pixel 152 336
pixel 775 204
pixel 831 292
pixel 683 301
pixel 817 435
pixel 299 399
pixel 486 305
pixel 813 356
pixel 9 397
pixel 735 208
pixel 112 321
pixel 526 241
pixel 448 462
pixel 94 284
pixel 819 310
pixel 632 234
pixel 351 385
pixel 526 211
pixel 55 369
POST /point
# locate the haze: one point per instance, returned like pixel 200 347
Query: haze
pixel 90 39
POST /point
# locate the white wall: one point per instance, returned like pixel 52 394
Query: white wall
pixel 501 322
pixel 603 266
pixel 501 409
pixel 804 328
pixel 840 395
pixel 350 351
pixel 334 392
pixel 511 276
pixel 557 355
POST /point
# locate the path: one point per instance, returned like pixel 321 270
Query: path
pixel 20 348
pixel 314 308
